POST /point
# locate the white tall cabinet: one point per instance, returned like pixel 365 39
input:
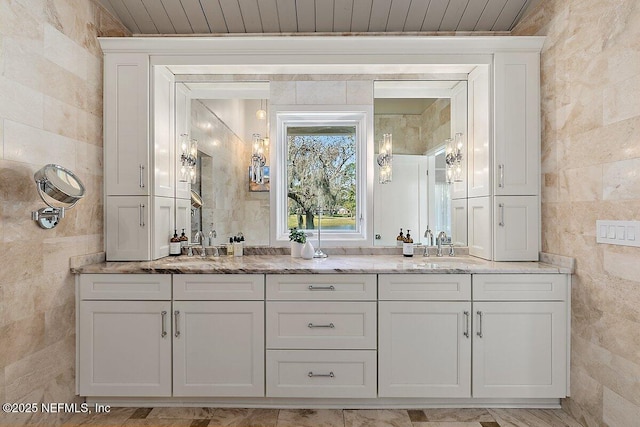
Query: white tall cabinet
pixel 505 175
pixel 140 152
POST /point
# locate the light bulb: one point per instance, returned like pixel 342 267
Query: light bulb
pixel 261 114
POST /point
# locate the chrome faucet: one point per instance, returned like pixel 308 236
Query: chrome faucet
pixel 199 238
pixel 428 234
pixel 442 237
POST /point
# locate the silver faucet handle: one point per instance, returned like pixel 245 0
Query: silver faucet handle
pixel 190 251
pixel 451 251
pixel 426 250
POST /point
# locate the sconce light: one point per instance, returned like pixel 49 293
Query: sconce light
pixel 56 184
pixel 188 158
pixel 385 158
pixel 261 114
pixel 453 158
pixel 258 159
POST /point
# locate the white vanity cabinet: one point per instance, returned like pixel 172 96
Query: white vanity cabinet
pixel 321 335
pixel 520 340
pixel 124 335
pixel 424 335
pixel 134 341
pixel 218 339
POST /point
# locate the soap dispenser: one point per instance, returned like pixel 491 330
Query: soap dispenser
pixel 400 239
pixel 407 245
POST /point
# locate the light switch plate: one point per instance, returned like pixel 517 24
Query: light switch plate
pixel 618 232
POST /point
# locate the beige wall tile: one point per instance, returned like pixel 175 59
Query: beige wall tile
pixel 282 93
pixel 622 265
pixel 621 180
pixel 360 92
pixel 32 145
pixel 62 51
pixel 621 100
pixel 36 371
pixel 21 103
pixel 26 337
pixel 581 184
pixel 321 92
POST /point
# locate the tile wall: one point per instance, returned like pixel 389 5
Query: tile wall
pixel 590 164
pixel 50 112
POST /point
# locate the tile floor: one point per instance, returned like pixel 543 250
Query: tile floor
pixel 212 417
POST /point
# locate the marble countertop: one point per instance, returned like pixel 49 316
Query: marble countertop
pixel 285 264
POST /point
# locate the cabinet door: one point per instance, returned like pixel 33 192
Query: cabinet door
pixel 424 349
pixel 183 122
pixel 459 223
pixel 126 124
pixel 183 215
pixel 479 232
pixel 519 349
pixel 163 222
pixel 478 147
pixel 127 229
pixel 164 144
pixel 218 348
pixel 517 228
pixel 125 348
pixel 517 123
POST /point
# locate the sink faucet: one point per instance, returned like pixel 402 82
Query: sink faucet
pixel 428 234
pixel 442 237
pixel 199 238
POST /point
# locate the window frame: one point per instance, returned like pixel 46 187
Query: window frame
pixel 359 117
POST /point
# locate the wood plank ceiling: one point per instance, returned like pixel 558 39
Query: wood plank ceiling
pixel 315 16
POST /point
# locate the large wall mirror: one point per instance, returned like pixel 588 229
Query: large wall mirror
pixel 227 120
pixel 418 118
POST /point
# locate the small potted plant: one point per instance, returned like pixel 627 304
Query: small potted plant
pixel 297 239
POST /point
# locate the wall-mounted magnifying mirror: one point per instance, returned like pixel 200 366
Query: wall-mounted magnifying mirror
pixel 59 189
pixel 196 201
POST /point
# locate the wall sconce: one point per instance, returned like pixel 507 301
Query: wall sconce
pixel 385 158
pixel 188 158
pixel 56 184
pixel 453 158
pixel 258 160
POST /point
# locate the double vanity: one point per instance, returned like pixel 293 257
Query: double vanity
pixel 348 331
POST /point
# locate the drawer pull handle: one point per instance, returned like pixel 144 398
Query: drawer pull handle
pixel 176 314
pixel 501 206
pixel 479 333
pixel 164 324
pixel 312 375
pixel 322 288
pixel 330 325
pixel 466 332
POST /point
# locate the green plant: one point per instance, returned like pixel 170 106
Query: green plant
pixel 296 235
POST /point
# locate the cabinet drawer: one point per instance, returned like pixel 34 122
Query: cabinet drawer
pixel 218 287
pixel 323 373
pixel 435 287
pixel 321 325
pixel 322 287
pixel 519 287
pixel 125 286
